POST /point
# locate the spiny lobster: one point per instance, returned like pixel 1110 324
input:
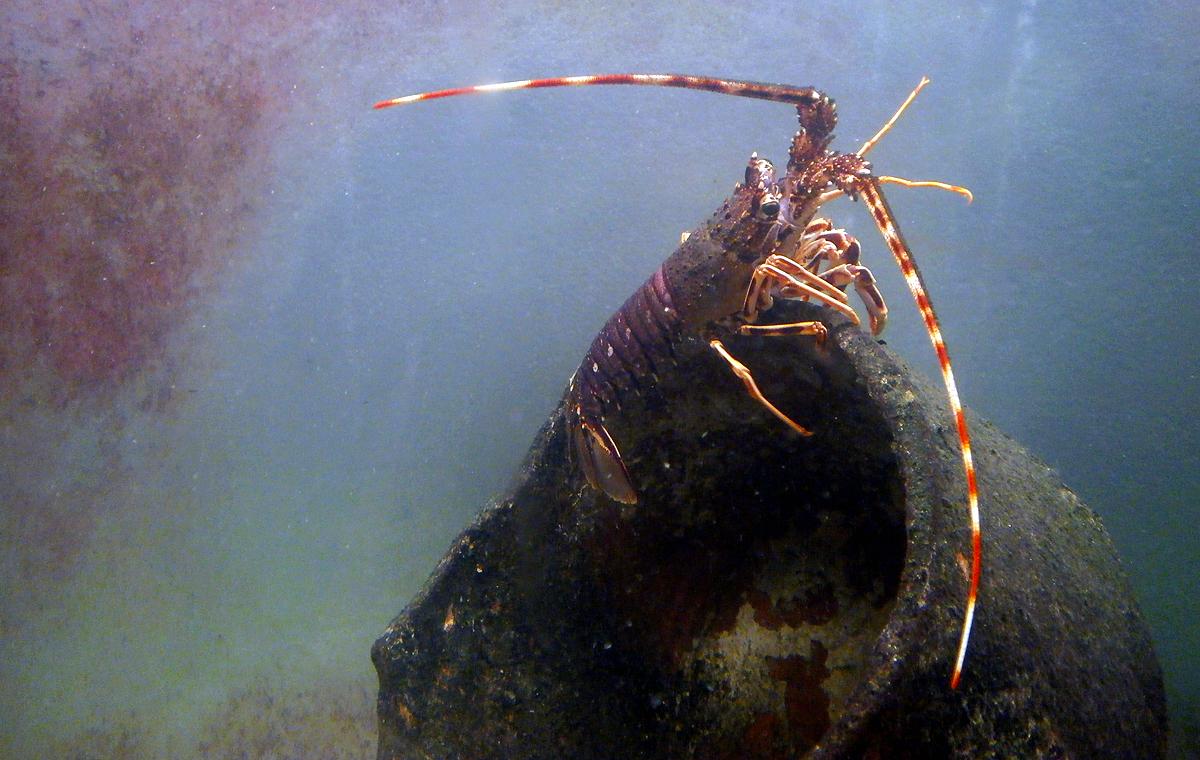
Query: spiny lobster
pixel 766 241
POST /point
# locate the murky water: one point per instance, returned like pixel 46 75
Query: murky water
pixel 265 351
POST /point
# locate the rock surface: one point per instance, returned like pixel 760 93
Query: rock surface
pixel 772 595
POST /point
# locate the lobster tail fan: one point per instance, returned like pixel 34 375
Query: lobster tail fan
pixel 601 462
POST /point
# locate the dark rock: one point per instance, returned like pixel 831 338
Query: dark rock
pixel 772 595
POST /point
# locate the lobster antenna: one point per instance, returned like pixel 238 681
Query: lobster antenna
pixel 779 93
pixel 886 223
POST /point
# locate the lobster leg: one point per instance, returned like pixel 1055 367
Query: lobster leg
pixel 743 373
pixel 792 281
pixel 864 282
pixel 828 246
pixel 789 279
pixel 815 329
pixel 795 269
pixel 841 252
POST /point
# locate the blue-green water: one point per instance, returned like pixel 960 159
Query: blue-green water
pixel 401 296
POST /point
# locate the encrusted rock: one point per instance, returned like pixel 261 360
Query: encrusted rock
pixel 772 595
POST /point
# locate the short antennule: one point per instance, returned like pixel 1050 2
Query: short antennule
pixel 779 93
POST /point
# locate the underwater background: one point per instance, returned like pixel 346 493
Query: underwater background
pixel 265 351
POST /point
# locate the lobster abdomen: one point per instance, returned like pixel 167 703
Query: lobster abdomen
pixel 624 359
pixel 626 354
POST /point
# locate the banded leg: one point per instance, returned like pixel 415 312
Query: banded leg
pixel 840 253
pixel 743 373
pixel 816 329
pixel 864 285
pixel 779 274
pixel 785 277
pixel 822 244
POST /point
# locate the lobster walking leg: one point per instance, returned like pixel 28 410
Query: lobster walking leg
pixel 822 245
pixel 781 275
pixel 743 373
pixel 786 275
pixel 864 283
pixel 815 329
pixel 797 270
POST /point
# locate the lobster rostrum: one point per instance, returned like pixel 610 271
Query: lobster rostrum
pixel 766 241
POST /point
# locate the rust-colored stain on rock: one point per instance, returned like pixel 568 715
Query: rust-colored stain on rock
pixel 806 702
pixel 760 739
pixel 816 606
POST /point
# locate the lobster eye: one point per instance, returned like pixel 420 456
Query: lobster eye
pixel 769 204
